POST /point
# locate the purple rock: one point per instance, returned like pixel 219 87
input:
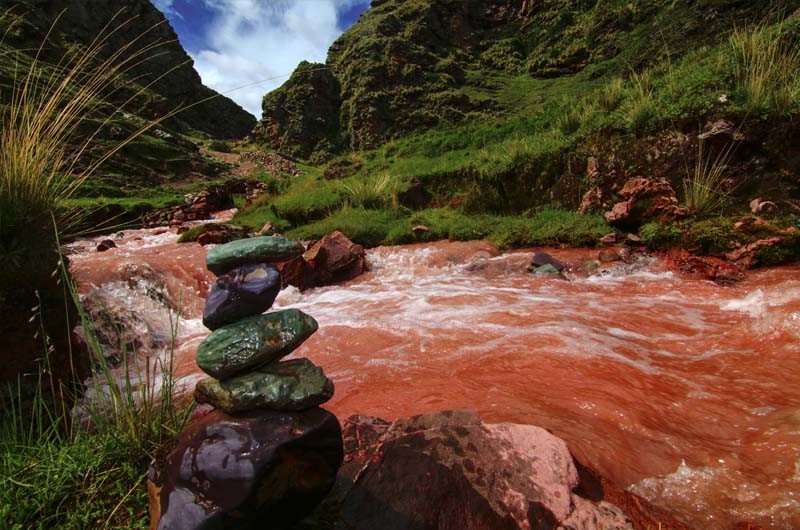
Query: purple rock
pixel 257 470
pixel 242 292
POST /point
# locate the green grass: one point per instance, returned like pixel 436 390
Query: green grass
pixel 767 68
pixel 87 482
pixel 58 472
pixel 549 227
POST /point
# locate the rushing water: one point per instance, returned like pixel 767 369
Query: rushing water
pixel 685 391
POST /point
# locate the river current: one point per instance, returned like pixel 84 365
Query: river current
pixel 685 392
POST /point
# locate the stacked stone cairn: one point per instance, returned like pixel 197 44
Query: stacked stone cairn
pixel 267 453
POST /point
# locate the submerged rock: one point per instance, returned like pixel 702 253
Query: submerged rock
pixel 258 470
pixel 242 292
pixel 449 470
pixel 292 385
pixel 106 244
pixel 223 258
pixel 254 341
pixel 540 259
pixel 546 269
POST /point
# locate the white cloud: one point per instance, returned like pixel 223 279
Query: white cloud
pixel 259 43
pixel 165 6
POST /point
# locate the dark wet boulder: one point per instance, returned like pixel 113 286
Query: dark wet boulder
pixel 253 342
pixel 291 386
pixel 106 244
pixel 449 470
pixel 540 259
pixel 242 292
pixel 272 249
pixel 257 470
pixel 335 258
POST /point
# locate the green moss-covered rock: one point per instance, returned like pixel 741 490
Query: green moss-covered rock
pixel 545 270
pixel 253 342
pixel 223 258
pixel 290 386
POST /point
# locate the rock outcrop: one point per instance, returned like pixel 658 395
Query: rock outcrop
pixel 645 200
pixel 302 118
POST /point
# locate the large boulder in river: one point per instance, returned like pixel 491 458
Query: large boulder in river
pixel 541 260
pixel 267 249
pixel 253 342
pixel 291 386
pixel 335 258
pixel 449 470
pixel 258 470
pixel 241 292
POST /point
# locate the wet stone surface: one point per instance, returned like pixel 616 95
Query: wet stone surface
pixel 243 292
pixel 246 471
pixel 292 385
pixel 253 342
pixel 223 258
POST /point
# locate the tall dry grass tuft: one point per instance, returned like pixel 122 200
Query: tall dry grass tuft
pixel 51 123
pixel 377 191
pixel 705 187
pixel 766 68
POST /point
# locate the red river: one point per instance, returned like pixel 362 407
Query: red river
pixel 686 392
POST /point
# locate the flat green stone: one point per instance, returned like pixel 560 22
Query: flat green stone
pixel 223 258
pixel 253 342
pixel 546 269
pixel 288 386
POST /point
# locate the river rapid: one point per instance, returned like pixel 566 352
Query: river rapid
pixel 686 392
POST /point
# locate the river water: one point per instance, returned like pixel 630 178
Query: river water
pixel 686 392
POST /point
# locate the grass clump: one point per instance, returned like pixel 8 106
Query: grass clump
pixel 706 189
pixel 70 484
pixel 373 192
pixel 660 235
pixel 43 140
pixel 548 227
pixel 307 203
pixel 766 68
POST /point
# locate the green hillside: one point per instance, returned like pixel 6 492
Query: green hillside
pixel 452 110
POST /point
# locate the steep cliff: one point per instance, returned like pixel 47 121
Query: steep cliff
pixel 167 70
pixel 410 65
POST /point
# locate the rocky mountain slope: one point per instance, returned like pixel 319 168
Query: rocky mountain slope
pixel 411 65
pixel 160 82
pixel 169 68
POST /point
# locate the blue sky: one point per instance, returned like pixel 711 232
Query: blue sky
pixel 258 43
